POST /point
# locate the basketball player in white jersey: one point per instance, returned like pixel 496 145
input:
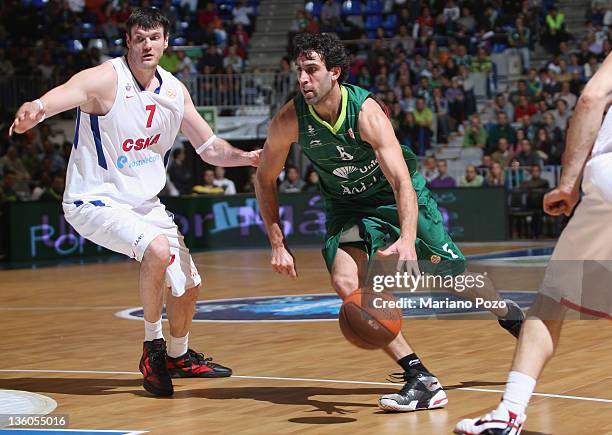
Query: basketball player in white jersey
pixel 580 271
pixel 129 111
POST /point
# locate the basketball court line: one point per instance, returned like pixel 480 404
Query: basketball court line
pixel 44 431
pixel 328 381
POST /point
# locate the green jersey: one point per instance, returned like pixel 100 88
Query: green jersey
pixel 347 165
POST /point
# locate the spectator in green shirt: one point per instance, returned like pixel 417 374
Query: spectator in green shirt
pixel 475 134
pixel 555 30
pixel 170 61
pixel 471 178
pixel 424 119
pixel 422 114
pixel 534 84
pixel 482 63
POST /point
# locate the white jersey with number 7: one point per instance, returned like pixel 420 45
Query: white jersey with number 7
pixel 121 157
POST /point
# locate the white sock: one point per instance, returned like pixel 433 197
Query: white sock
pixel 519 389
pixel 178 346
pixel 153 330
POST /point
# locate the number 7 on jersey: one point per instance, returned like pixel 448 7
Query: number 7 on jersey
pixel 151 109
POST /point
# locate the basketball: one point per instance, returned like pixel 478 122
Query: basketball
pixel 366 322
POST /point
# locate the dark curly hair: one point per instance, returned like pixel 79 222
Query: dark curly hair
pixel 147 19
pixel 329 47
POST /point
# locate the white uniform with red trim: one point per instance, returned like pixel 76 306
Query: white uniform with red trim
pixel 580 269
pixel 118 167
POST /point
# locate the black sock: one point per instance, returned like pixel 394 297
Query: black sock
pixel 413 362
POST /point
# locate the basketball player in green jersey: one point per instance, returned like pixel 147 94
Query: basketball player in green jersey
pixel 372 191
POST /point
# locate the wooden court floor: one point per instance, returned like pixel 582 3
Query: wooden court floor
pixel 60 338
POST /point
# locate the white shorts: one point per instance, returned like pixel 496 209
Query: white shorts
pixel 129 232
pixel 579 274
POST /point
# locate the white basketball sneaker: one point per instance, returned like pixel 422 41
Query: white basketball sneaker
pixel 499 422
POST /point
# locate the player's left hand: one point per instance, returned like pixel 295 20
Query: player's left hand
pixel 407 256
pixel 254 157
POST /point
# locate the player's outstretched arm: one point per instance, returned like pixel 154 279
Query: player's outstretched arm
pixel 376 129
pixel 282 133
pixel 80 89
pixel 211 148
pixel 581 135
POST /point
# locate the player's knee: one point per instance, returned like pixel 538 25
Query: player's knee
pixel 158 251
pixel 193 293
pixel 344 284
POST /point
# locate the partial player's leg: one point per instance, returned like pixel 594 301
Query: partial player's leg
pixel 151 285
pixel 509 315
pixel 537 344
pixel 439 253
pixel 422 389
pixel 184 362
pixel 184 283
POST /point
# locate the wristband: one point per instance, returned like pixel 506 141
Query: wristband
pixel 41 106
pixel 206 144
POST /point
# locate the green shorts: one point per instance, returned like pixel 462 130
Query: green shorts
pixel 378 223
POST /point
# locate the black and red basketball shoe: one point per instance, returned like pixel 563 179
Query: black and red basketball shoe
pixel 194 365
pixel 153 368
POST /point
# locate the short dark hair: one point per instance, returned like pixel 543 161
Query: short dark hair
pixel 327 45
pixel 147 18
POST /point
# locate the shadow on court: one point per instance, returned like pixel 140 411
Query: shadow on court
pixel 321 420
pixel 474 384
pixel 293 396
pixel 76 386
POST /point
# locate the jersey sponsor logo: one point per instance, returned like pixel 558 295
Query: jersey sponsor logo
pixel 171 93
pixel 311 130
pixel 140 143
pixel 343 154
pixel 344 171
pixel 315 143
pixel 362 187
pixel 127 97
pixel 123 161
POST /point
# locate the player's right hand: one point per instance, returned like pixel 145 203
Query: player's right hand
pixel 283 261
pixel 561 201
pixel 28 115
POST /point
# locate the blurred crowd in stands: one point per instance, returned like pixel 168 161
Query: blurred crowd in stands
pixel 421 57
